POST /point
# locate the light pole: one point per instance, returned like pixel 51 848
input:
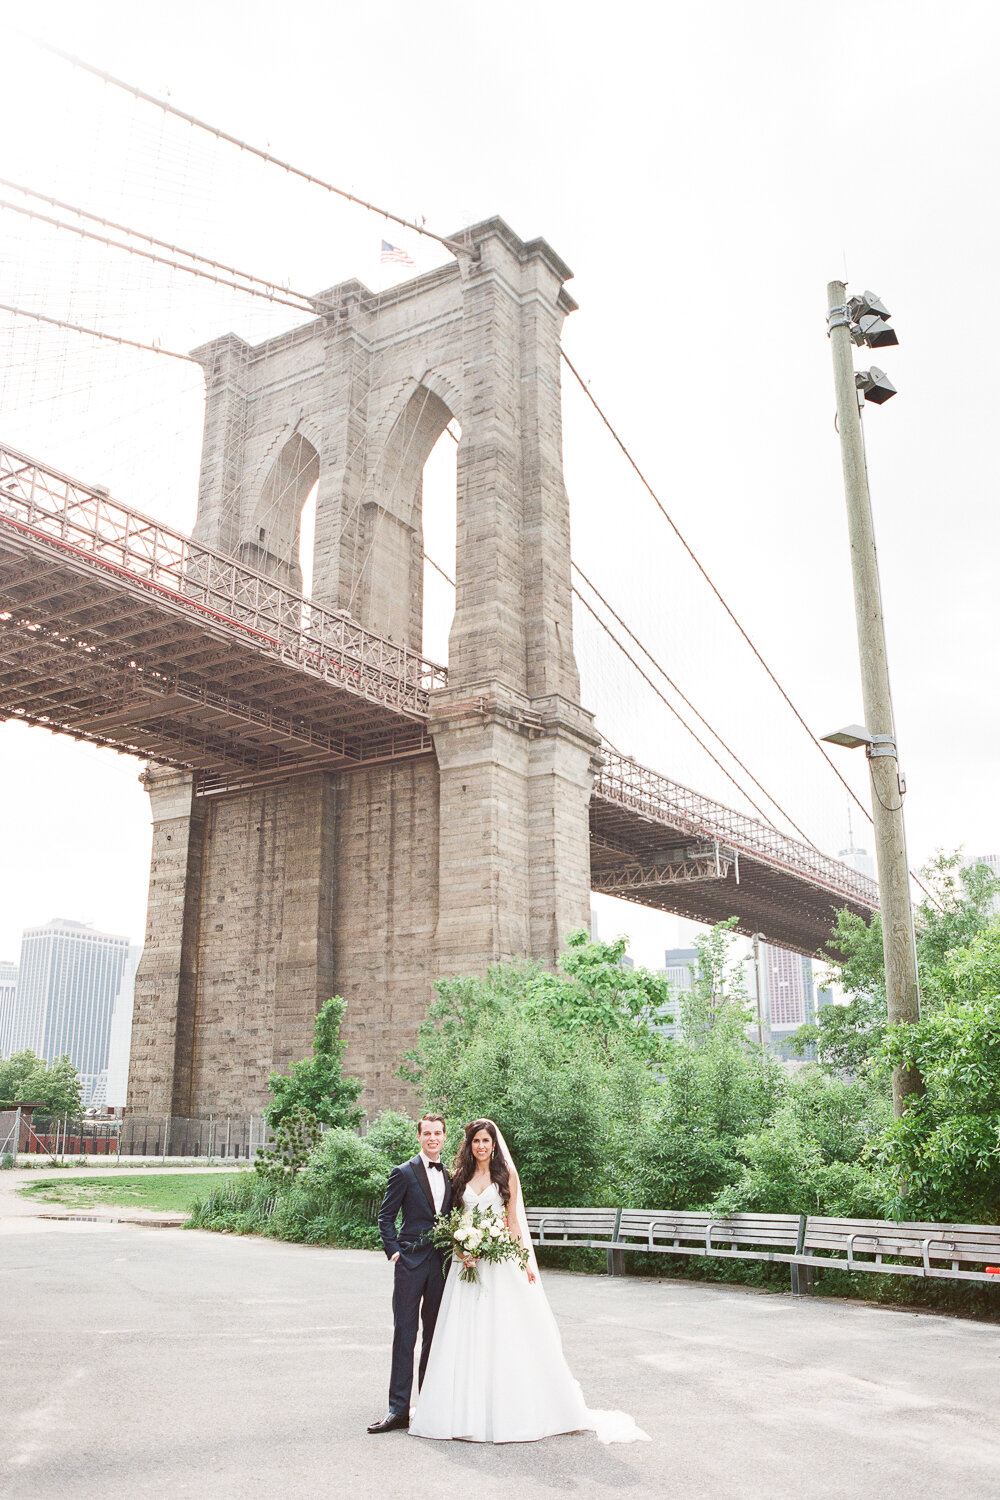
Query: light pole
pixel 755 946
pixel 865 320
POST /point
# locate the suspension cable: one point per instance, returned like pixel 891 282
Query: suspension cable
pixel 701 569
pixel 698 564
pixel 684 698
pixel 452 246
pixel 233 140
pixel 666 701
pixel 149 239
pixel 95 333
pixel 160 260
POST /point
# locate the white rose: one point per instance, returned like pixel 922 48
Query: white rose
pixel 473 1239
pixel 496 1230
pixel 463 1232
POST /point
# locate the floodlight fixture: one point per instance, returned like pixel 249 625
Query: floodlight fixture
pixel 876 332
pixel 874 385
pixel 852 737
pixel 867 303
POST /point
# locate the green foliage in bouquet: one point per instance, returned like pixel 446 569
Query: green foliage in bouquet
pixel 481 1235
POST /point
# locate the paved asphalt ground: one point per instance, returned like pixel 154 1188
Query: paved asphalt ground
pixel 141 1361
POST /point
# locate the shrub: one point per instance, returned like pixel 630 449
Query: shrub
pixel 295 1138
pixel 943 1155
pixel 345 1167
pixel 241 1207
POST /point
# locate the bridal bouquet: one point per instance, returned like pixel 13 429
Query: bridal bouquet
pixel 481 1235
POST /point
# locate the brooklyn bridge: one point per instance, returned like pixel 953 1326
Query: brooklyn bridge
pixel 333 813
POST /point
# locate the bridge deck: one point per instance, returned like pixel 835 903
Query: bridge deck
pixel 123 632
pixel 658 843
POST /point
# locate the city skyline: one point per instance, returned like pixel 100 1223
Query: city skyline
pixel 69 978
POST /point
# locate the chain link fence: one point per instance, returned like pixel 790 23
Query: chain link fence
pixel 28 1133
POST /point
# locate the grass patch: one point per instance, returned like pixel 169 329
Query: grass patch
pixel 252 1205
pixel 171 1192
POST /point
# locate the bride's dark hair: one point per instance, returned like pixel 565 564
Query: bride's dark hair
pixel 464 1166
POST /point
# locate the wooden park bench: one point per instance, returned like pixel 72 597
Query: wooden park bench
pixel 579 1228
pixel 953 1252
pixel 806 1244
pixel 776 1237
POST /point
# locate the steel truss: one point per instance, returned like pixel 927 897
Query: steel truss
pixel 626 783
pixel 95 529
pixel 121 631
pixel 710 864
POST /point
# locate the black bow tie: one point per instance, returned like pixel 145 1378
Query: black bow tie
pixel 435 1164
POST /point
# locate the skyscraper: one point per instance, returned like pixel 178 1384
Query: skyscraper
pixel 120 1034
pixel 69 977
pixel 786 982
pixel 8 995
pixel 858 859
pixel 789 998
pixel 680 965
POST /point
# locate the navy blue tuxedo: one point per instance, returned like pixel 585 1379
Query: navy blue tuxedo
pixel 419 1273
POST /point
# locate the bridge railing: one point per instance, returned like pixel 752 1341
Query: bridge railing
pixel 625 782
pixel 88 523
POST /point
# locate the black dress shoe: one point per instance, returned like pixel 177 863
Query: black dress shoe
pixel 395 1420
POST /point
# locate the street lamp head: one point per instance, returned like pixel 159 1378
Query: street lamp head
pixel 852 737
pixel 875 384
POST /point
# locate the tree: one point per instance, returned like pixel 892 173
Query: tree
pixel 718 989
pixel 713 1089
pixel 943 1155
pixel 595 992
pixel 317 1084
pixel 510 1048
pixel 849 1037
pixel 813 1155
pixel 354 1169
pixel 28 1079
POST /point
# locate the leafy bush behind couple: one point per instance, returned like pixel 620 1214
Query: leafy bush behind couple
pixel 600 1107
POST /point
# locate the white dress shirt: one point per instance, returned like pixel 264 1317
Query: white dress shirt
pixel 436 1180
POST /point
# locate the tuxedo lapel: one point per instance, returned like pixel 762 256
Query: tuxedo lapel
pixel 446 1205
pixel 420 1173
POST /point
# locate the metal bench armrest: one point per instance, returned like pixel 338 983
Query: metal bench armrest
pixel 653 1227
pixel 850 1246
pixel 926 1248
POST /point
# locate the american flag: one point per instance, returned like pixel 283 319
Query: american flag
pixel 394 254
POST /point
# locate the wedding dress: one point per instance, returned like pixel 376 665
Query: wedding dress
pixel 497 1372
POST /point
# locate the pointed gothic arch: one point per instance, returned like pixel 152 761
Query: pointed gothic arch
pixel 270 542
pixel 389 579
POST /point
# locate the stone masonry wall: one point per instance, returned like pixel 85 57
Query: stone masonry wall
pixel 372 882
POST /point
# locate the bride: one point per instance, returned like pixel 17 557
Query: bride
pixel 496 1371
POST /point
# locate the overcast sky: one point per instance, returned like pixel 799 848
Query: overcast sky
pixel 705 170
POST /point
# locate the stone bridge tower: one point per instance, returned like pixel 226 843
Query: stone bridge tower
pixel 373 882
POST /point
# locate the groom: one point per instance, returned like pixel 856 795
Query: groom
pixel 421 1188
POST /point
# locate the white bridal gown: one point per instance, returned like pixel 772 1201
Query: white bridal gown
pixel 497 1372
